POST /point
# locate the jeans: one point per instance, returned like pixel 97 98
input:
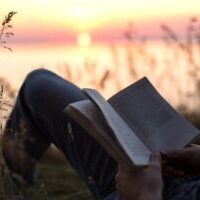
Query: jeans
pixel 39 105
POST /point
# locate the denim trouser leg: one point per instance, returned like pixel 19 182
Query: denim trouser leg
pixel 39 105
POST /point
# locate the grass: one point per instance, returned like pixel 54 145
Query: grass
pixel 7 186
pixel 5 31
pixel 62 182
pixel 176 64
pixel 55 181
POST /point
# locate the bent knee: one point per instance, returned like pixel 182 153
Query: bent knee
pixel 44 89
pixel 37 73
pixel 39 87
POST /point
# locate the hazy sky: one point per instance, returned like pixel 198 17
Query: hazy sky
pixel 44 30
pixel 60 20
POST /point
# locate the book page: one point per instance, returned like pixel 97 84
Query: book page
pixel 126 138
pixel 148 114
pixel 90 118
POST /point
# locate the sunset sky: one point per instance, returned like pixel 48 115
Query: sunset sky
pixel 60 33
pixel 41 21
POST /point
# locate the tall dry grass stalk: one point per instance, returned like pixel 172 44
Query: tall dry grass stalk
pixel 5 30
pixel 7 186
pixel 189 48
pixel 176 66
pixel 11 185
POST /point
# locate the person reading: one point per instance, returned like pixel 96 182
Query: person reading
pixel 37 120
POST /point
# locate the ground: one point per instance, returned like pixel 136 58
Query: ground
pixel 56 180
pixel 60 180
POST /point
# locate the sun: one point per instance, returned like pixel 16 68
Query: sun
pixel 84 39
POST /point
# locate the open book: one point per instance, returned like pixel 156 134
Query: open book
pixel 133 123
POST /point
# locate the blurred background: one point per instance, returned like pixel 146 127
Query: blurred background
pixel 106 45
pixel 96 43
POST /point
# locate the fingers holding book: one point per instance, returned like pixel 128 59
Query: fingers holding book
pixel 147 182
pixel 180 163
pixel 141 183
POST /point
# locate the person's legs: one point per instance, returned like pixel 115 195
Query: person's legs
pixel 38 120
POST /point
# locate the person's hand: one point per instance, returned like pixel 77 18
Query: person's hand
pixel 181 163
pixel 141 184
